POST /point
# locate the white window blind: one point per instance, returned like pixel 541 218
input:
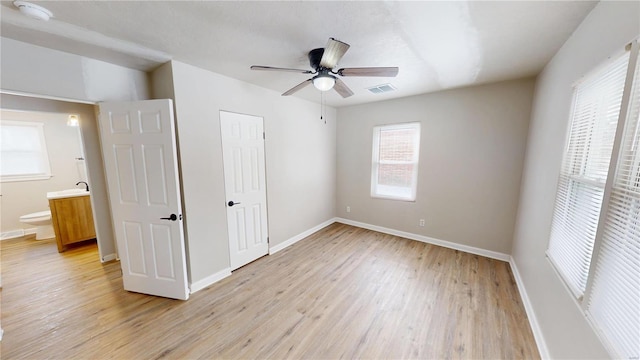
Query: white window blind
pixel 585 165
pixel 614 301
pixel 394 170
pixel 23 153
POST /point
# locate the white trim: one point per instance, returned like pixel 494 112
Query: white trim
pixel 531 314
pixel 1 333
pixel 302 235
pixel 12 234
pixel 209 280
pixel 46 97
pixel 109 257
pixel 451 245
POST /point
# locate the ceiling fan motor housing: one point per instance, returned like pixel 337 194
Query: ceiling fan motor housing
pixel 315 56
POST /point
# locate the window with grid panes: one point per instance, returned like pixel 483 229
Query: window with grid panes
pixel 394 170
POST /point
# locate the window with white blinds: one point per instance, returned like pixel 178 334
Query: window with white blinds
pixel 394 168
pixel 614 302
pixel 596 107
pixel 595 236
pixel 23 153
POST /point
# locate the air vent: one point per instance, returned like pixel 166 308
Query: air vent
pixel 379 89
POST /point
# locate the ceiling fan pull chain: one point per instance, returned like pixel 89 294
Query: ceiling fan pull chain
pixel 321 105
pixel 323 110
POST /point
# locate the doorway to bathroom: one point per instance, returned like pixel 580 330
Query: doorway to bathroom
pixel 74 155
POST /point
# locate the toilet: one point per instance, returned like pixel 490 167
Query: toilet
pixel 42 221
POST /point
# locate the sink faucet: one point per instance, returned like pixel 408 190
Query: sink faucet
pixel 83 182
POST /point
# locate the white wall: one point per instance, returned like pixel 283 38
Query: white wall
pixel 37 70
pixel 300 156
pixel 63 146
pixel 604 31
pixel 471 153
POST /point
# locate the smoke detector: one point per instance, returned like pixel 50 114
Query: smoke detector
pixel 33 11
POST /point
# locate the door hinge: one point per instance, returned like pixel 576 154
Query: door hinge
pixel 264 137
pixel 267 239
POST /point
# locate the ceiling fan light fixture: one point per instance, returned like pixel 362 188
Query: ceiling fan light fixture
pixel 33 11
pixel 324 82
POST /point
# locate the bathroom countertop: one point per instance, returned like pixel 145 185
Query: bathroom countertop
pixel 67 193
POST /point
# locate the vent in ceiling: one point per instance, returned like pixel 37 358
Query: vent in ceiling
pixel 384 88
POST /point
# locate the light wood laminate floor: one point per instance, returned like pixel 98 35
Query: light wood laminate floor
pixel 343 292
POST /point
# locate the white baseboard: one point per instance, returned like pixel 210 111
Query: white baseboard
pixel 531 314
pixel 109 257
pixel 11 234
pixel 451 245
pixel 302 235
pixel 209 280
pixel 30 231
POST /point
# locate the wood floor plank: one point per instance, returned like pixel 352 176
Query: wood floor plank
pixel 343 292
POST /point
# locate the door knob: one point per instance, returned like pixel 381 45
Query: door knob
pixel 172 217
pixel 231 203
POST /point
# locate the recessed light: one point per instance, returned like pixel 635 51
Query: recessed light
pixel 33 11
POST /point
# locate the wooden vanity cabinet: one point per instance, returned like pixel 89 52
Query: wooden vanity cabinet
pixel 72 220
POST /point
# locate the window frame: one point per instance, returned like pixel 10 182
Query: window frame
pixel 375 162
pixel 610 336
pixel 580 193
pixel 44 154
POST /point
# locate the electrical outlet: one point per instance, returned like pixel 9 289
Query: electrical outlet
pixel 421 223
pixel 348 208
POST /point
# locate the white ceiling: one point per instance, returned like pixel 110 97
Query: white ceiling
pixel 437 45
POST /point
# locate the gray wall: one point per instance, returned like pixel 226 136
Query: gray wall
pixel 37 70
pixel 603 33
pixel 300 153
pixel 472 148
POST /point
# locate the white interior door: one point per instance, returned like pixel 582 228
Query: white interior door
pixel 139 150
pixel 245 186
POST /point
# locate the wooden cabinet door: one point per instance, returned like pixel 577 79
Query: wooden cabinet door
pixel 74 219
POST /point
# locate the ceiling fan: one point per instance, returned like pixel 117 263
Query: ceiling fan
pixel 323 61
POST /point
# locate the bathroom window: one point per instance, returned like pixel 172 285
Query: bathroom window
pixel 23 152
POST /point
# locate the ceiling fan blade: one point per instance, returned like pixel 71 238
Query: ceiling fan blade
pixel 333 52
pixel 297 87
pixel 271 68
pixel 369 71
pixel 341 88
